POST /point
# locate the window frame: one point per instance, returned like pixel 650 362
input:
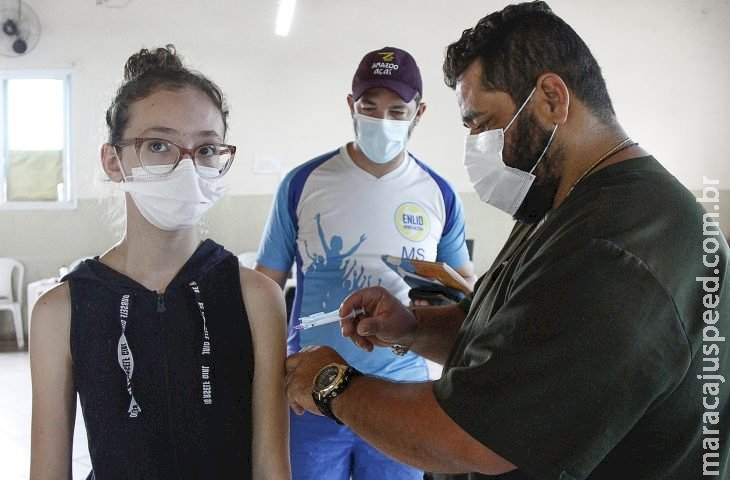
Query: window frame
pixel 68 169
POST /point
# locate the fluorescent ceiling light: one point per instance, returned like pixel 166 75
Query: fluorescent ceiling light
pixel 284 17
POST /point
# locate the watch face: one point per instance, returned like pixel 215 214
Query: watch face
pixel 326 377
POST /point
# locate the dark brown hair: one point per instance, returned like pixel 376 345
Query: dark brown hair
pixel 148 71
pixel 521 42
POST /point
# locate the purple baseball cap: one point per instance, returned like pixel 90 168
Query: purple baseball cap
pixel 388 67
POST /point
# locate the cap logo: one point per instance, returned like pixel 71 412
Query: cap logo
pixel 385 67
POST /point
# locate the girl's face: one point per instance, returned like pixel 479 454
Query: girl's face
pixel 186 117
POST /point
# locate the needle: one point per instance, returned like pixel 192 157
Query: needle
pixel 322 318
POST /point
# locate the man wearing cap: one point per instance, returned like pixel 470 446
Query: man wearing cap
pixel 336 216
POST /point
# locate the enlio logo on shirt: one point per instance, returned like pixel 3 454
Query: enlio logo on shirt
pixel 412 221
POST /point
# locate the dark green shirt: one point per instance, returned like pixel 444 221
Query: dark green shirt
pixel 580 354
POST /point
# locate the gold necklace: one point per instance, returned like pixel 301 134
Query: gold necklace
pixel 606 156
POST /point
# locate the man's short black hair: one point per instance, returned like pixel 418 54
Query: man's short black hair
pixel 521 42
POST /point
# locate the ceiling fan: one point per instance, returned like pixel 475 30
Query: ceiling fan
pixel 21 29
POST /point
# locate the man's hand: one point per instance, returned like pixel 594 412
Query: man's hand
pixel 301 368
pixel 386 321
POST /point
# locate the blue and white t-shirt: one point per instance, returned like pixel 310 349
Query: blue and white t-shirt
pixel 336 221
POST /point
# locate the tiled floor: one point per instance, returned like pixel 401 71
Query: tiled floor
pixel 15 408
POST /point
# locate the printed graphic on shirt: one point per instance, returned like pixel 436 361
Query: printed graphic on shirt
pixel 349 275
pixel 412 221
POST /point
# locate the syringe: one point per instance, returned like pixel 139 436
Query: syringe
pixel 322 318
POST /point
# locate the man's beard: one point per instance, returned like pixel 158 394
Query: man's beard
pixel 523 150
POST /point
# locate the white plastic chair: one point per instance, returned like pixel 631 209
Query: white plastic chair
pixel 11 293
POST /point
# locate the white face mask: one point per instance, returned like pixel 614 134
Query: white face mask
pixel 176 200
pixel 381 140
pixel 497 184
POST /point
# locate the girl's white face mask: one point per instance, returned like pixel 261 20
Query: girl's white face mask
pixel 381 140
pixel 176 200
pixel 497 184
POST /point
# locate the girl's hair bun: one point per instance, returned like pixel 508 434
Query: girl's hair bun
pixel 148 71
pixel 148 60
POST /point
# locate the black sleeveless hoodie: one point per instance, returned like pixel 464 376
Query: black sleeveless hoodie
pixel 194 410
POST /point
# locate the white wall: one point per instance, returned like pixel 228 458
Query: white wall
pixel 665 63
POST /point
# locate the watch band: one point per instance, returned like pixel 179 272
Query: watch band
pixel 323 401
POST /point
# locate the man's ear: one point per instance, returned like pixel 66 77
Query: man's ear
pixel 351 103
pixel 111 164
pixel 553 98
pixel 419 112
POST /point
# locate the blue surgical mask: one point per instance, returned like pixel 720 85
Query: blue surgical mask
pixel 381 140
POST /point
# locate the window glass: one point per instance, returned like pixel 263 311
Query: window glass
pixel 35 140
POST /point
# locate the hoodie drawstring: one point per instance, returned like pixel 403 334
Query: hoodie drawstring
pixel 126 360
pixel 124 355
pixel 206 364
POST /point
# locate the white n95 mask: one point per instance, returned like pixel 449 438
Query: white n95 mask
pixel 497 184
pixel 381 140
pixel 173 201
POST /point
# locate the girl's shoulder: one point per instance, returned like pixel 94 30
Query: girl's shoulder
pixel 264 301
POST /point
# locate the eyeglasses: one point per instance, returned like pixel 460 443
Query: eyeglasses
pixel 160 157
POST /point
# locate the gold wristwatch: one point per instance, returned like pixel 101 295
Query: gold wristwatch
pixel 330 382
